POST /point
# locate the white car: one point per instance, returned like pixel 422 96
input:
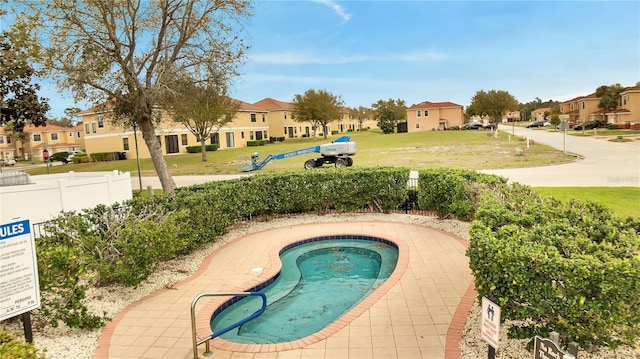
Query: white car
pixel 72 154
pixel 7 162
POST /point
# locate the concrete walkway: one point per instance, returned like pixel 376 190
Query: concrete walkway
pixel 419 312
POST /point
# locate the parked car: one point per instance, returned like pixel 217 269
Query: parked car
pixel 589 125
pixel 7 162
pixel 535 124
pixel 472 125
pixel 66 157
pixel 489 126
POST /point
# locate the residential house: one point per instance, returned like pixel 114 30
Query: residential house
pixel 585 108
pixel 53 138
pixel 281 120
pixel 102 134
pixel 580 108
pixel 539 113
pixel 431 116
pixel 511 116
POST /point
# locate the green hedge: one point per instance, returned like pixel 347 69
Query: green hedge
pixel 257 143
pixel 571 267
pixel 453 193
pixel 198 149
pixel 102 156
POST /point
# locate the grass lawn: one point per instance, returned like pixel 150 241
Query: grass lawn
pixel 456 149
pixel 624 201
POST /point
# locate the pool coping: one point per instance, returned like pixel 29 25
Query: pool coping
pixel 203 322
pixel 454 332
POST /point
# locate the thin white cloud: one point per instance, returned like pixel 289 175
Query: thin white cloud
pixel 292 57
pixel 335 7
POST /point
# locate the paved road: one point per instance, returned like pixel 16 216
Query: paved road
pixel 602 163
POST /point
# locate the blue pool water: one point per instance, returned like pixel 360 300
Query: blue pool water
pixel 321 279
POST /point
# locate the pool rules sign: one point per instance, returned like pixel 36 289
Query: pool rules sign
pixel 19 292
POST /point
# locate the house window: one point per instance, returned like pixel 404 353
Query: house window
pixel 264 134
pixel 242 135
pixel 86 128
pixel 250 135
pixel 264 117
pixel 253 117
pixel 426 113
pixel 583 105
pixel 215 138
pixel 8 140
pixel 125 144
pixel 285 115
pixel 78 134
pixel 100 122
pixel 37 138
pixel 70 134
pixel 417 125
pixel 54 137
pixel 624 100
pixel 1 140
pixel 93 127
pixel 419 113
pixel 185 139
pixel 230 140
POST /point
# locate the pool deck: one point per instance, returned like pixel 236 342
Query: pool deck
pixel 419 312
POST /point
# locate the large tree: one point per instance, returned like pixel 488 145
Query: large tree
pixel 389 113
pixel 203 109
pixel 609 98
pixel 19 101
pixel 494 103
pixel 318 108
pixel 128 53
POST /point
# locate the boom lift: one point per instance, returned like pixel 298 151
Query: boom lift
pixel 336 152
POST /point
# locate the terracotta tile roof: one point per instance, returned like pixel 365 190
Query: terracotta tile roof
pixel 428 105
pixel 49 128
pixel 631 88
pixel 272 104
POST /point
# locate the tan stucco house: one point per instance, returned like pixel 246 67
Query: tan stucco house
pixel 431 116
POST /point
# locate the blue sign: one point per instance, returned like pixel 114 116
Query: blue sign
pixel 14 229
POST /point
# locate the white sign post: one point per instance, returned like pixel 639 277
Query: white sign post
pixel 490 326
pixel 19 291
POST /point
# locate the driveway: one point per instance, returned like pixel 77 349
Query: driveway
pixel 601 163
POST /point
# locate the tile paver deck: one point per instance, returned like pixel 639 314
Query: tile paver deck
pixel 419 312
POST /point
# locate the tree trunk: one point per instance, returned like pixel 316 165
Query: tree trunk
pixel 203 148
pixel 149 135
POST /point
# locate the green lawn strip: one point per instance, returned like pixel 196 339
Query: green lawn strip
pixel 624 201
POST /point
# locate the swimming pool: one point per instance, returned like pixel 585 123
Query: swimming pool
pixel 321 279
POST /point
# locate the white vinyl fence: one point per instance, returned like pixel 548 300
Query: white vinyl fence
pixel 47 195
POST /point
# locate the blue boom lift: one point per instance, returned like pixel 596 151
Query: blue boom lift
pixel 337 152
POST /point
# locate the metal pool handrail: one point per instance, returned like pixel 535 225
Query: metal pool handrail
pixel 194 336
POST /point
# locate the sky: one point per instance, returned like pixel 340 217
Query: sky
pixel 365 51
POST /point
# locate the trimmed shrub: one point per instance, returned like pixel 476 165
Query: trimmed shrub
pixel 102 156
pixel 453 193
pixel 198 148
pixel 571 266
pixel 256 143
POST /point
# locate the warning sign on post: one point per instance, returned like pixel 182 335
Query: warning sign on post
pixel 19 292
pixel 490 328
